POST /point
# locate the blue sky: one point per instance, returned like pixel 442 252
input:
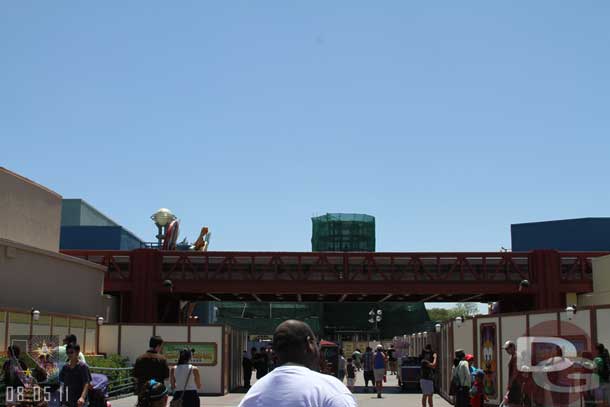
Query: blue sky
pixel 447 121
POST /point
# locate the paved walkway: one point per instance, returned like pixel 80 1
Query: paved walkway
pixel 391 398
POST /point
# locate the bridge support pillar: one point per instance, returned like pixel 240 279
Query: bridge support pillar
pixel 146 267
pixel 546 270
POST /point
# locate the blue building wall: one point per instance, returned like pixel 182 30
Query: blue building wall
pixel 77 212
pixel 84 227
pixel 585 234
pixel 97 238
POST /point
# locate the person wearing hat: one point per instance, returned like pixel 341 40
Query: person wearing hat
pixel 477 391
pixel 471 365
pixel 513 396
pixel 154 394
pixel 460 374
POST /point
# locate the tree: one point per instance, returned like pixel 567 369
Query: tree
pixel 462 309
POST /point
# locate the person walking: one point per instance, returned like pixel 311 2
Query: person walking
pixel 513 396
pixel 260 364
pixel 380 367
pixel 426 381
pixel 356 357
pixel 150 365
pixel 367 368
pixel 294 382
pixel 185 380
pixel 392 360
pixel 246 365
pixel 460 375
pixel 602 369
pixel 341 366
pixel 351 374
pixel 74 378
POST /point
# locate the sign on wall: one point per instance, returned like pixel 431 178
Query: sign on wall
pixel 204 353
pixel 489 359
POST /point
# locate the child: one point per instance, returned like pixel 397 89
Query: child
pixel 351 374
pixel 477 392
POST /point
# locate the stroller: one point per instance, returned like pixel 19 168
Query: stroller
pixel 98 390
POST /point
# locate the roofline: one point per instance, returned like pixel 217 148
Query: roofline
pixel 102 214
pixel 560 220
pixel 29 181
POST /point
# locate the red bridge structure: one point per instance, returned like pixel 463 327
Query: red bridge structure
pixel 141 278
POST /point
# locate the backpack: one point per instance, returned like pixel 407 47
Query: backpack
pixel 455 383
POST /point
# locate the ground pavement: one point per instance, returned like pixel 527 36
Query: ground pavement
pixel 393 398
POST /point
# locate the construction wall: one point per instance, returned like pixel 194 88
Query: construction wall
pixel 132 340
pixel 484 337
pixel 17 324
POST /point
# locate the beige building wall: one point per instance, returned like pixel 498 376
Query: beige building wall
pixel 601 283
pixel 29 213
pixel 49 281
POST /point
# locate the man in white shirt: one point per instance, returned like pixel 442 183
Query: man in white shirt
pixel 293 383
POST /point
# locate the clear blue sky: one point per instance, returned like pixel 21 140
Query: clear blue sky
pixel 447 121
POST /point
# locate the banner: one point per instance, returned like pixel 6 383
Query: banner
pixel 203 353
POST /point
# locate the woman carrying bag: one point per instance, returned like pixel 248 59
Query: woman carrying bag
pixel 186 382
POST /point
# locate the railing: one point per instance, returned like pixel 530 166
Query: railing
pixel 345 266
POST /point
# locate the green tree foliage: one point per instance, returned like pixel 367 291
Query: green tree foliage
pixel 461 309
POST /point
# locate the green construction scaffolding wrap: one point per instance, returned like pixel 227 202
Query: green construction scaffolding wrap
pixel 336 232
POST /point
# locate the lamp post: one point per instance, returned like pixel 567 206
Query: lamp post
pixel 570 311
pixel 375 317
pixel 99 321
pixel 162 218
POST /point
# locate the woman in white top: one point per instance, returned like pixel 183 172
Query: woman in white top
pixel 186 381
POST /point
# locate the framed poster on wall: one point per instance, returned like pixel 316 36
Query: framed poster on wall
pixel 203 353
pixel 489 358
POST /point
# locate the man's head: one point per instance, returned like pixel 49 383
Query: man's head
pixel 155 343
pixel 68 339
pixel 295 342
pixel 460 354
pixel 379 348
pixel 428 348
pixel 368 349
pixel 510 348
pixel 72 351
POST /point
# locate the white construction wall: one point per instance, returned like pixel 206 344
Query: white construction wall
pixel 131 341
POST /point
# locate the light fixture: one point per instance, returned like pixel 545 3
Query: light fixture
pixel 458 321
pixel 100 321
pixel 35 314
pixel 168 284
pixel 371 312
pixel 425 334
pixel 523 284
pixel 371 321
pixel 378 318
pixel 570 311
pixel 437 327
pixel 379 312
pixel 412 335
pixel 163 217
pixel 419 334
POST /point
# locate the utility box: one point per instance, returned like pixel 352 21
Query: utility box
pixel 343 232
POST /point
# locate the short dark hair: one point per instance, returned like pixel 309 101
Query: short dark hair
pixel 428 347
pixel 155 341
pixel 73 346
pixel 71 338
